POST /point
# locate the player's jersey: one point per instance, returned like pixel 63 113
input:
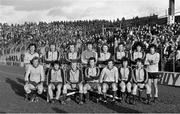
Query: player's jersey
pixel 104 56
pixel 136 55
pixel 92 74
pixel 152 60
pixel 57 76
pixel 125 74
pixel 140 75
pixel 52 56
pixel 35 74
pixel 86 55
pixel 28 57
pixel 74 76
pixel 109 75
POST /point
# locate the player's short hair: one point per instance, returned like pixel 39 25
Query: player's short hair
pixel 91 58
pixel 56 63
pixel 34 58
pixel 125 59
pixel 139 60
pixel 32 44
pixel 110 60
pixel 89 43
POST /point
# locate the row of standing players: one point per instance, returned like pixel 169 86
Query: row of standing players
pixel 115 72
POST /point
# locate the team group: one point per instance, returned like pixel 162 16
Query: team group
pixel 98 73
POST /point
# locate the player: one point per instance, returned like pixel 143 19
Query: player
pixel 140 80
pixel 91 78
pixel 56 82
pixel 30 55
pixel 105 55
pixel 34 79
pixel 109 79
pixel 120 53
pixel 74 80
pixel 125 76
pixel 88 53
pixel 152 61
pixel 72 54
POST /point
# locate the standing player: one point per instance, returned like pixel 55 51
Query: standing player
pixel 152 61
pixel 72 54
pixel 30 55
pixel 91 78
pixel 34 79
pixel 125 76
pixel 56 82
pixel 140 80
pixel 109 79
pixel 88 53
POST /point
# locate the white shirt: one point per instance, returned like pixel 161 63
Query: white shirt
pixel 35 74
pixel 178 55
pixel 28 57
pixel 152 60
pixel 137 55
pixel 120 55
pixel 124 73
pixel 72 56
pixel 104 56
pixel 52 56
pixel 109 75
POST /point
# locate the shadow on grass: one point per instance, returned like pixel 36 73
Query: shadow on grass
pixel 16 87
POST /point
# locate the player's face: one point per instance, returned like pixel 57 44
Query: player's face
pixel 35 62
pixel 121 47
pixel 92 63
pixel 152 50
pixel 139 64
pixel 125 63
pixel 105 48
pixel 89 46
pixel 53 47
pixel 32 48
pixel 110 64
pixel 56 66
pixel 71 48
pixel 74 66
pixel 138 48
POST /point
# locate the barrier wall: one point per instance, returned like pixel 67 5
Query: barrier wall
pixel 169 78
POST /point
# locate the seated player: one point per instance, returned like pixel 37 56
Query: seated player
pixel 109 79
pixel 125 76
pixel 91 78
pixel 34 79
pixel 56 82
pixel 74 80
pixel 140 80
pixel 30 55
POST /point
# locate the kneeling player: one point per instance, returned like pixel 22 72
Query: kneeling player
pixel 91 78
pixel 109 79
pixel 74 81
pixel 56 82
pixel 125 76
pixel 140 80
pixel 34 79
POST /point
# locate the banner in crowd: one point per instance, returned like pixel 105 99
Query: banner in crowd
pixel 169 78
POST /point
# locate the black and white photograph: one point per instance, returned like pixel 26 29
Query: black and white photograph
pixel 89 56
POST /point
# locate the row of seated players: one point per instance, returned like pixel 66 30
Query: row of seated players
pixel 92 79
